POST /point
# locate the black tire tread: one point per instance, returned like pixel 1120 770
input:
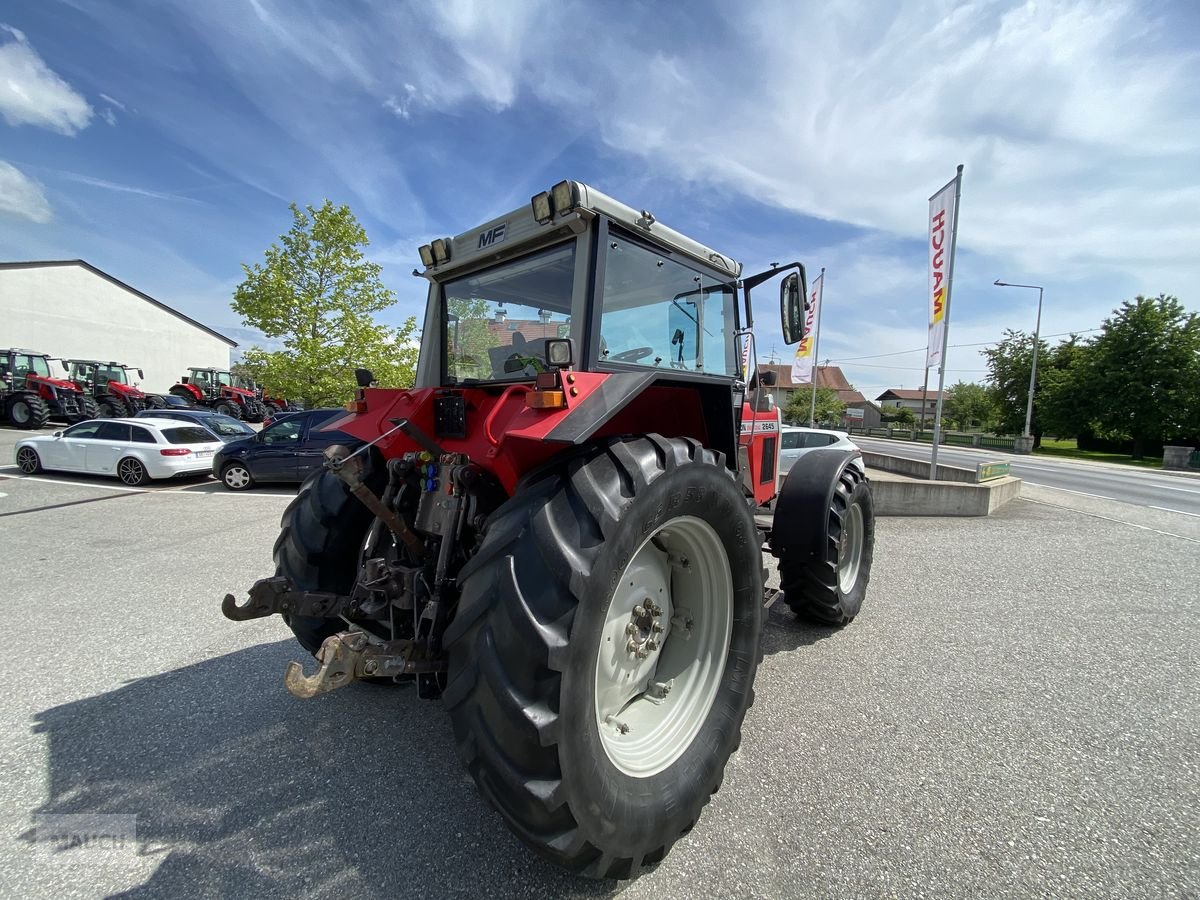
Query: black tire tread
pixel 811 586
pixel 39 410
pixel 508 641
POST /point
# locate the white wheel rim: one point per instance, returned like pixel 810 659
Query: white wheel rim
pixel 27 460
pixel 21 414
pixel 237 477
pixel 651 701
pixel 130 471
pixel 850 549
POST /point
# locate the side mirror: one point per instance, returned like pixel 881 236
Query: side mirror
pixel 364 377
pixel 58 434
pixel 683 323
pixel 66 368
pixel 141 375
pixel 792 292
pixel 766 379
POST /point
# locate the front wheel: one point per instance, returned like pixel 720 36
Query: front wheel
pixel 28 461
pixel 28 411
pixel 829 586
pixel 236 477
pixel 228 408
pixel 113 407
pixel 602 656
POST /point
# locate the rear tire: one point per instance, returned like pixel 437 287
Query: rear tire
pixel 88 409
pixel 112 407
pixel 535 649
pixel 132 472
pixel 154 401
pixel 228 408
pixel 829 588
pixel 318 547
pixel 28 411
pixel 28 461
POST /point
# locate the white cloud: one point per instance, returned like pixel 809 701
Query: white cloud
pixel 32 94
pixel 21 196
pixel 111 101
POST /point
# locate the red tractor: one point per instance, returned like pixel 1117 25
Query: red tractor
pixel 215 389
pixel 560 530
pixel 271 404
pixel 30 396
pixel 111 385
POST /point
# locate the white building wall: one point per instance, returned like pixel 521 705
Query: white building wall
pixel 69 311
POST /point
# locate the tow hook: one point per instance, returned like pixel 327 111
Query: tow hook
pixel 350 656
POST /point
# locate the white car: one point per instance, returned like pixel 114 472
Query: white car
pixel 134 450
pixel 794 442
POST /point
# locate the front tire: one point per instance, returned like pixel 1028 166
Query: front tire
pixel 829 587
pixel 228 408
pixel 236 477
pixel 28 461
pixel 555 712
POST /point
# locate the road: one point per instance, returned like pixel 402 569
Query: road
pixel 1126 484
pixel 1016 712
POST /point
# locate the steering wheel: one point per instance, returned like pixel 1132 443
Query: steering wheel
pixel 632 355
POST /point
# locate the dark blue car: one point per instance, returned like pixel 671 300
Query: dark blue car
pixel 289 450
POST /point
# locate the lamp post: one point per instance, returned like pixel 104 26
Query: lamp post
pixel 1037 331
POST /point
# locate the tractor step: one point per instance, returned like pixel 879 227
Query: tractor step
pixel 350 656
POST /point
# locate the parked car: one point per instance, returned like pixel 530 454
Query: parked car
pixel 170 401
pixel 134 450
pixel 794 442
pixel 289 450
pixel 226 428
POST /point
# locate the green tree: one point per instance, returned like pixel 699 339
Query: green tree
pixel 1146 364
pixel 1067 395
pixel 316 294
pixel 1009 364
pixel 829 408
pixel 969 405
pixel 898 415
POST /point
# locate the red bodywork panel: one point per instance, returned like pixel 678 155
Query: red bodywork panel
pixel 126 390
pixel 760 437
pixel 42 384
pixel 506 437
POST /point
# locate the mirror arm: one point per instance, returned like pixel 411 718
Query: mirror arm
pixel 755 280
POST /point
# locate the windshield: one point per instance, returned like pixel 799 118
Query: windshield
pixel 497 320
pixel 223 378
pixel 114 374
pixel 227 425
pixel 26 364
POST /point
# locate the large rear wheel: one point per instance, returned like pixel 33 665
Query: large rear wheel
pixel 604 648
pixel 28 411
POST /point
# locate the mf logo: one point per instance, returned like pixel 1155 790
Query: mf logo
pixel 494 235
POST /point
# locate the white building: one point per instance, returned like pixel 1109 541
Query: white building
pixel 70 309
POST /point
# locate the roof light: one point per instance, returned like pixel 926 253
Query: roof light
pixel 541 207
pixel 565 196
pixel 426 255
pixel 441 250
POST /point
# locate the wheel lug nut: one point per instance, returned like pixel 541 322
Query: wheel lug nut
pixel 652 644
pixel 657 628
pixel 638 612
pixel 631 629
pixel 642 653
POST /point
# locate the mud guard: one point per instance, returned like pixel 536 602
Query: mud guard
pixel 802 508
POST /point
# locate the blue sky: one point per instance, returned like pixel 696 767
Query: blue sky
pixel 162 141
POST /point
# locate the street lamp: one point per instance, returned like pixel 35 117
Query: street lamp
pixel 1037 331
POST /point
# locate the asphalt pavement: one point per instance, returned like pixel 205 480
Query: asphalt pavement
pixel 1178 493
pixel 1015 713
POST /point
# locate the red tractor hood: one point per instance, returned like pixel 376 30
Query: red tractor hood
pixel 59 383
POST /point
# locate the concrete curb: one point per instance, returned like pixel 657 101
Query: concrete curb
pixel 900 487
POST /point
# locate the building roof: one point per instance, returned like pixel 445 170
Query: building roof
pixel 830 377
pixel 53 263
pixel 907 394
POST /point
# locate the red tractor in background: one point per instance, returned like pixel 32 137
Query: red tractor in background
pixel 271 404
pixel 30 395
pixel 215 389
pixel 112 386
pixel 559 531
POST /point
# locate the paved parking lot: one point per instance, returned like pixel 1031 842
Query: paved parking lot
pixel 1015 712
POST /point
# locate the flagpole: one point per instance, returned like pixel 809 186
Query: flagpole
pixel 925 391
pixel 812 406
pixel 937 416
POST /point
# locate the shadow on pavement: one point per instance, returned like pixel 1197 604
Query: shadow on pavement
pixel 783 631
pixel 247 791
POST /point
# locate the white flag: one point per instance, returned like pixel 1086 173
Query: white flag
pixel 942 212
pixel 806 350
